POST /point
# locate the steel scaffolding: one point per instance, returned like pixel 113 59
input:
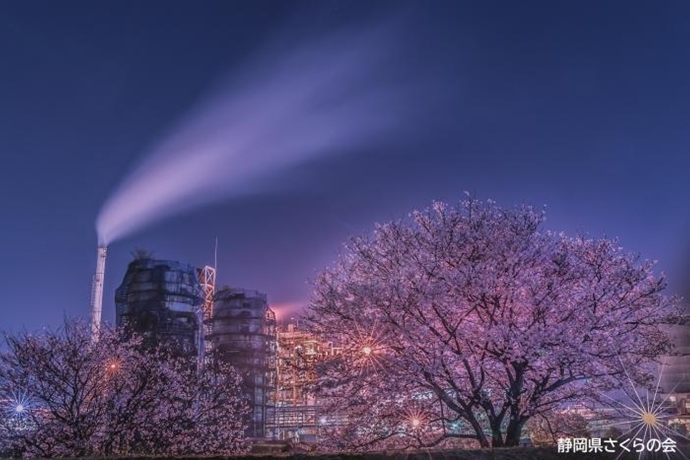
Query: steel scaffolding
pixel 296 408
pixel 207 281
pixel 243 335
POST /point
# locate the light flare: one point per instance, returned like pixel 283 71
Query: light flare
pixel 646 416
pixel 368 347
pixel 18 404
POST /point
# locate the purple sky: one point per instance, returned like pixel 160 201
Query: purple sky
pixel 581 107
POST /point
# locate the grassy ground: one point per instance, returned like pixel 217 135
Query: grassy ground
pixel 495 454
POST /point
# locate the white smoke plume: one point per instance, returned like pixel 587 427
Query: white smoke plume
pixel 283 108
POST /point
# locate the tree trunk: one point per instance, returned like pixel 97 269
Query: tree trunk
pixel 496 435
pixel 513 433
pixel 481 437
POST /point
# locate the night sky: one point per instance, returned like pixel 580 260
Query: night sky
pixel 583 107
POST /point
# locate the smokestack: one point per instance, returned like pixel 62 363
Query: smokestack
pixel 97 292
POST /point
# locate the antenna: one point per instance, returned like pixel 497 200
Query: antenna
pixel 215 256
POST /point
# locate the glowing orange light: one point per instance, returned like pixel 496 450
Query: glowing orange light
pixel 112 366
pixel 649 418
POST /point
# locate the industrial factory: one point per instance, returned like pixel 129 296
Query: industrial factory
pixel 161 300
pixel 296 408
pixel 177 305
pixel 243 334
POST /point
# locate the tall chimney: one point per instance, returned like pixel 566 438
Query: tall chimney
pixel 97 292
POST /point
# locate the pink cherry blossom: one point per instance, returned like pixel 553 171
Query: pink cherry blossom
pixel 481 320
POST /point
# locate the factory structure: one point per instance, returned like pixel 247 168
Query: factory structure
pixel 161 300
pixel 179 306
pixel 296 409
pixel 97 291
pixel 243 334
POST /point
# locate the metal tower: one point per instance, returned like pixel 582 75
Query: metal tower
pixel 207 280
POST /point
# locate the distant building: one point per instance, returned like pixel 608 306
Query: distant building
pixel 175 304
pixel 296 408
pixel 160 299
pixel 243 334
pixel 675 375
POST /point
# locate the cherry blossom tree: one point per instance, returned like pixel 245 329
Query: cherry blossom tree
pixel 545 429
pixel 463 322
pixel 68 395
